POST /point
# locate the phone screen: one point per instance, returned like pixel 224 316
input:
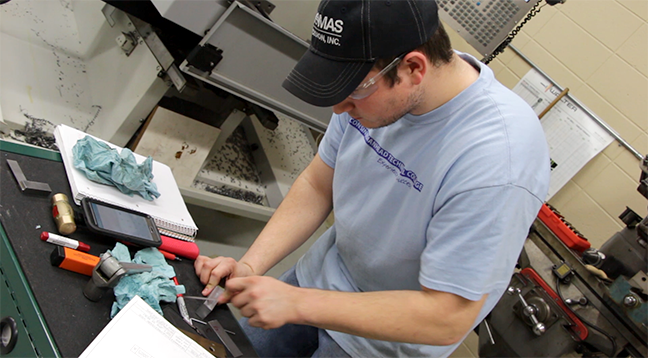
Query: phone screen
pixel 123 222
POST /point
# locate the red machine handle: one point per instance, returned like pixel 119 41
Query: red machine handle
pixel 557 225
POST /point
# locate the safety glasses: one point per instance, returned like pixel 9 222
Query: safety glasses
pixel 368 88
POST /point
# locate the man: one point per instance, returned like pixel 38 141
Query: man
pixel 436 172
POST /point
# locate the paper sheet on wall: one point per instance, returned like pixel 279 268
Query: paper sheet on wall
pixel 137 331
pixel 574 137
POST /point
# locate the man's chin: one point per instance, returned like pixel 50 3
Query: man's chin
pixel 376 124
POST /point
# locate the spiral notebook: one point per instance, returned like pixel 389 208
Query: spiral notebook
pixel 169 210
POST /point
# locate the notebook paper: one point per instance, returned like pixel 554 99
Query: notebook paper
pixel 169 210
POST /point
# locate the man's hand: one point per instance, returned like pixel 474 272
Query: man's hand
pixel 212 270
pixel 266 301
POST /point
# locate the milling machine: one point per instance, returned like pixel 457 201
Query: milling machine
pixel 568 298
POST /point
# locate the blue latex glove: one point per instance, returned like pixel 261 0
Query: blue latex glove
pixel 103 164
pixel 152 287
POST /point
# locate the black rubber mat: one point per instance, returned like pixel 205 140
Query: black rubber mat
pixel 73 320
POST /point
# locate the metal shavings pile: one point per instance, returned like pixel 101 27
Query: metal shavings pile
pixel 239 194
pixel 37 133
pixel 235 158
pixel 290 144
pixel 234 166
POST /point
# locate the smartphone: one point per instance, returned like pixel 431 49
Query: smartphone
pixel 120 223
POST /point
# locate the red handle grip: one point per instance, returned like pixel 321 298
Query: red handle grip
pixel 562 231
pixel 182 248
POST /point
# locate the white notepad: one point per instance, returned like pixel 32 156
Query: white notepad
pixel 169 210
pixel 138 331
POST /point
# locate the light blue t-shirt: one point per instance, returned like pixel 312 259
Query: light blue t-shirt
pixel 442 200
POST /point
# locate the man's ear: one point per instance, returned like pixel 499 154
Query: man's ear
pixel 416 65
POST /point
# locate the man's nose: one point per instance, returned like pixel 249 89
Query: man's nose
pixel 343 106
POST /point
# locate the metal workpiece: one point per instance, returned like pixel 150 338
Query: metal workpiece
pixel 107 274
pixel 27 186
pixel 225 338
pixel 210 302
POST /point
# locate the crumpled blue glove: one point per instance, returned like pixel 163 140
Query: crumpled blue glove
pixel 152 287
pixel 103 164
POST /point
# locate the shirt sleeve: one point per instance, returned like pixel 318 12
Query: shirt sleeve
pixel 475 238
pixel 330 144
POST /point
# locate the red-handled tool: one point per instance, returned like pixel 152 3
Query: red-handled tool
pixel 182 248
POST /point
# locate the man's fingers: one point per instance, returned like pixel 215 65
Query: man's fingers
pixel 198 264
pixel 208 288
pixel 233 287
pixel 215 277
pixel 204 268
pixel 247 311
pixel 238 284
pixel 212 270
pixel 225 297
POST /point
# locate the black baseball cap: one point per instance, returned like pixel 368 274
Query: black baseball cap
pixel 349 36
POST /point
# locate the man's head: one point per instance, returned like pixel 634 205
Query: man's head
pixel 437 49
pixel 349 37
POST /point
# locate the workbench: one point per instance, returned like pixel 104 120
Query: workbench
pixel 54 318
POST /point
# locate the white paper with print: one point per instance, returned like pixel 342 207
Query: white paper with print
pixel 574 137
pixel 138 331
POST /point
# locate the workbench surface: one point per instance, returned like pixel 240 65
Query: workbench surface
pixel 72 320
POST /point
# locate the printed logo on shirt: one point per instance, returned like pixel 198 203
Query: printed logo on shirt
pixel 387 159
pixel 328 30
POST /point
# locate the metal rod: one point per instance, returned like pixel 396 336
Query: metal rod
pixel 598 120
pixel 490 334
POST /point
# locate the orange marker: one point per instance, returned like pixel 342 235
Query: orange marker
pixel 74 260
